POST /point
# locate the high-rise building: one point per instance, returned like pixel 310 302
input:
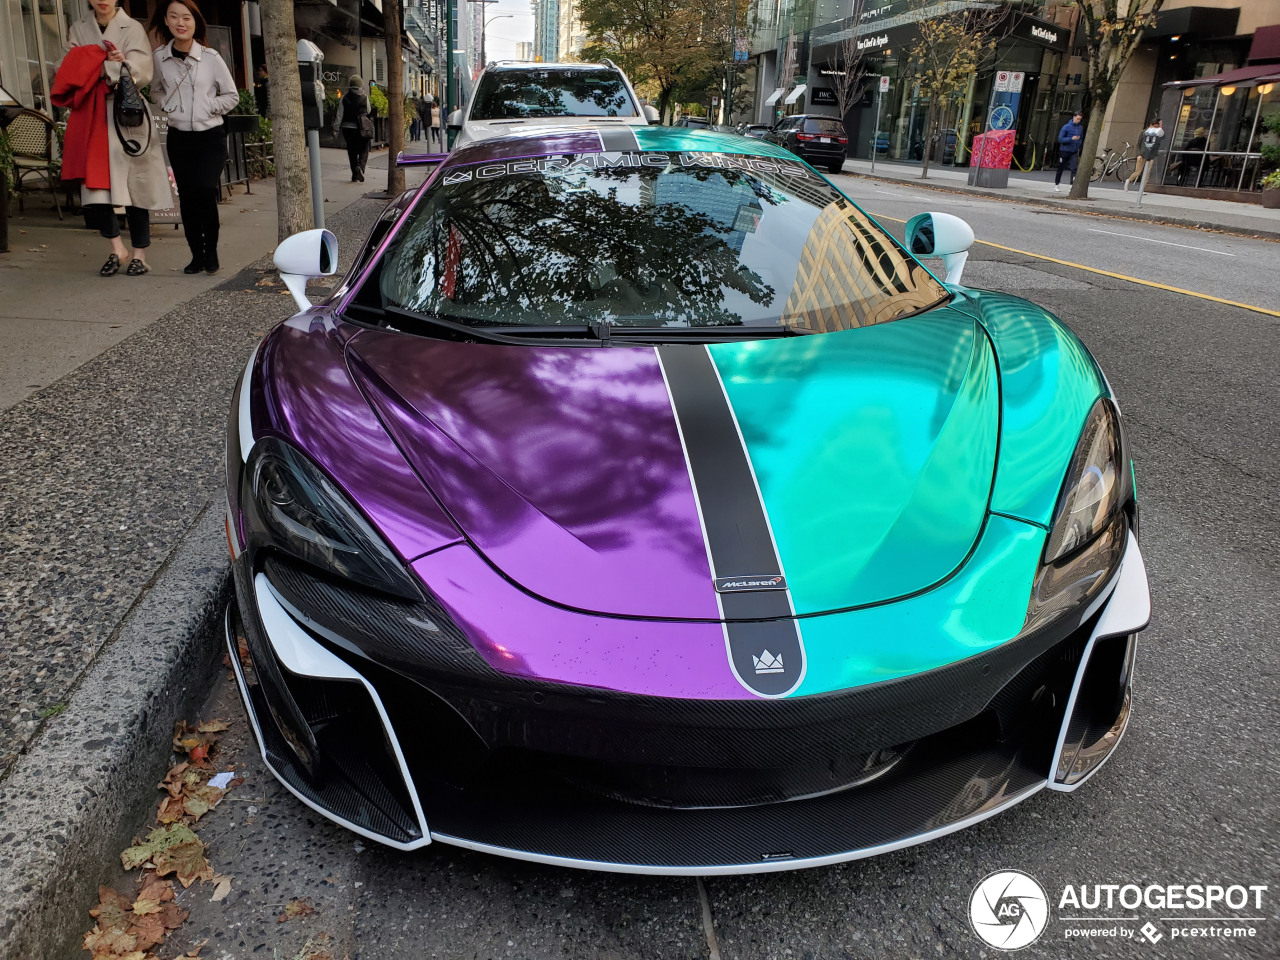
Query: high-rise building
pixel 546 30
pixel 524 50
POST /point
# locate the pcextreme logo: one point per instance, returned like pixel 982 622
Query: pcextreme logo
pixel 1008 910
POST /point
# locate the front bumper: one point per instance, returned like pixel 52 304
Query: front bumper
pixel 523 769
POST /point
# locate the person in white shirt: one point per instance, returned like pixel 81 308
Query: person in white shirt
pixel 194 89
pixel 1148 147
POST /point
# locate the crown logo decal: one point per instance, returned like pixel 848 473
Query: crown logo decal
pixel 768 663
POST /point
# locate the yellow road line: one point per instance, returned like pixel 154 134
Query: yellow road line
pixel 1118 276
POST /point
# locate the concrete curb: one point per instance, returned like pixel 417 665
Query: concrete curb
pixel 1077 207
pixel 71 803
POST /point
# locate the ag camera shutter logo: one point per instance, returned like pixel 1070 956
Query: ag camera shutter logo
pixel 1008 910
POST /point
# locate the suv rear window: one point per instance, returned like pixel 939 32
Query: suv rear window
pixel 521 94
pixel 828 128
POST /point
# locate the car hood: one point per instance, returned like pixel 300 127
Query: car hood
pixel 871 453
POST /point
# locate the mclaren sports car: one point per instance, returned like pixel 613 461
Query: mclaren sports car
pixel 637 502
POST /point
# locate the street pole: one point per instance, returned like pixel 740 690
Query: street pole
pixel 483 13
pixel 875 134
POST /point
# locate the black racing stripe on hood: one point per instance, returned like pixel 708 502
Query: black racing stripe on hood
pixel 739 541
pixel 618 138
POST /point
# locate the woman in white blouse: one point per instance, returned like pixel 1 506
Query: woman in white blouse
pixel 194 88
pixel 138 181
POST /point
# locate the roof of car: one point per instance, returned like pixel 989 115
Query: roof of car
pixel 604 138
pixel 531 65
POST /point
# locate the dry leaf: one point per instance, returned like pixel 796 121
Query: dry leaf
pixel 195 951
pixel 213 726
pixel 172 783
pixel 111 911
pixel 155 889
pixel 172 916
pixel 171 809
pixel 296 908
pixel 147 931
pixel 222 889
pixel 157 840
pixel 187 860
pixel 103 944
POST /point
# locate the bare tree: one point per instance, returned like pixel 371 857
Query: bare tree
pixel 848 73
pixel 1112 31
pixel 392 21
pixel 293 169
pixel 951 49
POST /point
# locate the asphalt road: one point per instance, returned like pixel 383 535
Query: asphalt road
pixel 1190 796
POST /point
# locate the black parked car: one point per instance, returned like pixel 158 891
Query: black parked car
pixel 819 140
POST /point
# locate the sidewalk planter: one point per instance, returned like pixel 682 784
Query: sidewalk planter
pixel 1271 198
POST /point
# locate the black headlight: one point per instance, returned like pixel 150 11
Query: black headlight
pixel 1089 530
pixel 292 506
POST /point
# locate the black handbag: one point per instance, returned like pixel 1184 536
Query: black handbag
pixel 130 110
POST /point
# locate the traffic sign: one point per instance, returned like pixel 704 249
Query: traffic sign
pixel 1002 81
pixel 1015 81
pixel 884 84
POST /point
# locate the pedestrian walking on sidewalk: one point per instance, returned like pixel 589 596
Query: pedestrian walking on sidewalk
pixel 262 91
pixel 357 127
pixel 117 166
pixel 195 89
pixel 415 121
pixel 1148 147
pixel 427 112
pixel 1070 140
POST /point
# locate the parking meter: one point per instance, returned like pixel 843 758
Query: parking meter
pixel 310 59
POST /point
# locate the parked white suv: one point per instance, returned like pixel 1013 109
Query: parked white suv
pixel 510 96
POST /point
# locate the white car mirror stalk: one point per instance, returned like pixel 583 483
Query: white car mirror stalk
pixel 312 253
pixel 941 235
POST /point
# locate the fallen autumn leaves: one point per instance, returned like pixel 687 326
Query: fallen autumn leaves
pixel 128 930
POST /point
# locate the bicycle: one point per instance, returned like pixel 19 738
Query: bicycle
pixel 1121 164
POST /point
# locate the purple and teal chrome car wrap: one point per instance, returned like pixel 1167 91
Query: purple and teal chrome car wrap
pixel 695 605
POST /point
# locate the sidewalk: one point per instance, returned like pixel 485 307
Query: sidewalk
pixel 113 569
pixel 56 312
pixel 1106 198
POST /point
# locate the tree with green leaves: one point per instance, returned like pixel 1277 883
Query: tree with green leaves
pixel 951 49
pixel 682 48
pixel 1112 31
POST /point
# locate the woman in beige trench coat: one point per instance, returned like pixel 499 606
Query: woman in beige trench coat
pixel 139 184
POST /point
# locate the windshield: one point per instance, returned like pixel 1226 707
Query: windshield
pixel 519 95
pixel 649 240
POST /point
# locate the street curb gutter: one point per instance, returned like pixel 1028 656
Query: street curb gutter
pixel 1052 204
pixel 71 803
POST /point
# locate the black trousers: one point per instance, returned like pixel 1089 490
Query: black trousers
pixel 1066 160
pixel 357 149
pixel 138 218
pixel 198 158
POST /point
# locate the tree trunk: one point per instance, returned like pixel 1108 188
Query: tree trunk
pixel 293 169
pixel 1089 151
pixel 392 19
pixel 927 146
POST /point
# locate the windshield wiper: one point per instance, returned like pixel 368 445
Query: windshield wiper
pixel 503 332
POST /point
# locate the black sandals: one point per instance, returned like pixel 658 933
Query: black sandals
pixel 111 267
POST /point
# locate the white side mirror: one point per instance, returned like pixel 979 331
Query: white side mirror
pixel 312 253
pixel 941 235
pixel 651 113
pixel 455 120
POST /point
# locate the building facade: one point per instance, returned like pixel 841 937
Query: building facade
pixel 546 30
pixel 811 42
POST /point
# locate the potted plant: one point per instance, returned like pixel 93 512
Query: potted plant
pixel 1271 190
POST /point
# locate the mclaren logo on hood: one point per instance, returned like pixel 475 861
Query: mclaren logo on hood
pixel 739 584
